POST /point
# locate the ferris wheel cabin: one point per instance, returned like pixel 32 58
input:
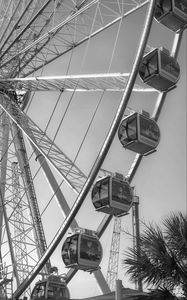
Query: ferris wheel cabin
pixel 112 195
pixel 172 14
pixel 159 70
pixel 53 288
pixel 139 133
pixel 82 251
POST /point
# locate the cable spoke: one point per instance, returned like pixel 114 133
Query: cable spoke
pixel 78 24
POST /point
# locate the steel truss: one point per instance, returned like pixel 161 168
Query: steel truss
pixel 112 82
pixel 19 248
pixel 112 272
pixel 33 34
pixel 56 28
pixel 98 163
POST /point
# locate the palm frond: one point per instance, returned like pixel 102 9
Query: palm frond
pixel 157 294
pixel 159 262
pixel 176 233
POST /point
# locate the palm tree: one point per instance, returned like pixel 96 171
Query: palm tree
pixel 161 261
pixel 157 294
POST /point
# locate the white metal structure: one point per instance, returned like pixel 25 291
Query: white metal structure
pixel 34 35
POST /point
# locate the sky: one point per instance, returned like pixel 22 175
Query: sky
pixel 160 181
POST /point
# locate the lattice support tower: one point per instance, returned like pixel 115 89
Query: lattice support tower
pixel 136 234
pixel 6 287
pixel 20 207
pixel 112 271
pixel 22 238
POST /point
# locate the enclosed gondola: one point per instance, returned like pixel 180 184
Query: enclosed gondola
pixel 172 13
pixel 53 287
pixel 159 70
pixel 139 133
pixel 112 195
pixel 82 250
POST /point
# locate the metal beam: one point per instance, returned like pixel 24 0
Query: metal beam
pixel 28 182
pixel 3 214
pixel 66 211
pixel 54 186
pixel 158 107
pixel 103 152
pixel 72 175
pixel 16 24
pixel 4 134
pixel 113 82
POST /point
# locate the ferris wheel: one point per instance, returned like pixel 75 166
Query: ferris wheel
pixel 68 69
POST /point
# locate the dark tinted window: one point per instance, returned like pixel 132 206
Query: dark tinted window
pixel 101 190
pixel 73 248
pixel 69 250
pixel 90 249
pixel 169 64
pixel 56 291
pixel 121 192
pixel 149 129
pixel 122 133
pixel 149 65
pixel 65 252
pixel 182 5
pixel 162 7
pixel 39 291
pixel 166 5
pixel 132 129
